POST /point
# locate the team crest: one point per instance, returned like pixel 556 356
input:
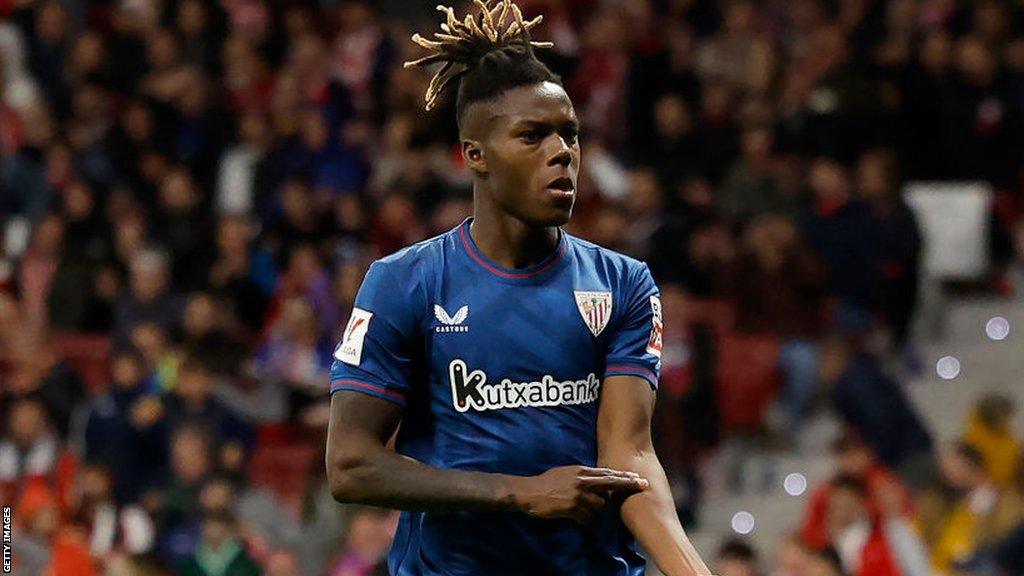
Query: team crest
pixel 595 308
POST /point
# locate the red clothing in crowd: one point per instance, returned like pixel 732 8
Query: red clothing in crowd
pixel 814 531
pixel 70 556
pixel 876 557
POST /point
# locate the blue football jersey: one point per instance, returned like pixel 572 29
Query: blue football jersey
pixel 500 370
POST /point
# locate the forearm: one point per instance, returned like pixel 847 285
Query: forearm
pixel 384 478
pixel 651 517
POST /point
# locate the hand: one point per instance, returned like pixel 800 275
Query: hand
pixel 575 492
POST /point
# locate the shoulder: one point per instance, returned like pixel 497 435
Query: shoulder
pixel 398 285
pixel 617 267
pixel 415 261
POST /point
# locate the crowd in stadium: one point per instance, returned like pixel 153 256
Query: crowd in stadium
pixel 191 190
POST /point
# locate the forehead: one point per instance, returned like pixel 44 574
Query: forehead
pixel 546 102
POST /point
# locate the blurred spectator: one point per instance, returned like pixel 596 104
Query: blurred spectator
pixel 843 233
pixel 242 179
pixel 872 403
pixel 206 331
pixel 233 274
pixel 220 552
pixel 115 530
pixel 295 352
pixel 35 521
pixel 52 548
pixel 780 291
pixel 162 360
pixel 370 533
pixel 23 186
pixel 709 260
pixel 854 535
pixel 750 188
pixel 191 464
pixel 686 420
pixel 673 145
pixel 80 297
pixel 182 225
pixel 738 55
pixel 192 402
pixel 989 431
pixel 121 431
pixel 868 544
pixel 650 232
pixel 299 222
pixel 149 298
pixel 32 455
pixel 878 488
pixel 736 558
pixel 981 513
pixel 38 268
pixel 900 242
pixel 979 117
pixel 306 277
pixel 36 370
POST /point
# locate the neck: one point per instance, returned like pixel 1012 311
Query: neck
pixel 508 240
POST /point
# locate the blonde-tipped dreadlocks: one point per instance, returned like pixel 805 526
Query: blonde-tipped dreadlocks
pixel 462 45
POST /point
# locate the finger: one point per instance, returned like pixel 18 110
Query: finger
pixel 591 502
pixel 605 472
pixel 613 484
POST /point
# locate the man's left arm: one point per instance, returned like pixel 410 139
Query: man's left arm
pixel 624 443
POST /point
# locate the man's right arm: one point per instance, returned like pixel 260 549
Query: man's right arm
pixel 361 469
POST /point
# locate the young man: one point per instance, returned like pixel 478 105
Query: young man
pixel 520 361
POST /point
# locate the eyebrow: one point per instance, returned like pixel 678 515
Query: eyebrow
pixel 573 123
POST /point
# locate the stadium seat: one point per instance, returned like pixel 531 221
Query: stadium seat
pixel 88 355
pixel 284 469
pixel 747 379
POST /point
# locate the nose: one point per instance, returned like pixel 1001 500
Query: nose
pixel 562 156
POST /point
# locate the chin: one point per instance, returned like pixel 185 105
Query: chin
pixel 556 218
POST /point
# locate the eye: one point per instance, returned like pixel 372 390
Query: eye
pixel 571 137
pixel 531 136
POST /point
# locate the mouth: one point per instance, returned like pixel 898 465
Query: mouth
pixel 563 186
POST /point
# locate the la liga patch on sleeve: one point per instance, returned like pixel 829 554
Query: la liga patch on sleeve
pixel 350 351
pixel 657 328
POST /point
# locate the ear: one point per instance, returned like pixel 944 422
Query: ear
pixel 473 156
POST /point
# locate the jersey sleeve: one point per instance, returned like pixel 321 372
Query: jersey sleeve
pixel 635 347
pixel 375 353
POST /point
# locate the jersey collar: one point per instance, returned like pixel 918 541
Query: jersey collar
pixel 529 274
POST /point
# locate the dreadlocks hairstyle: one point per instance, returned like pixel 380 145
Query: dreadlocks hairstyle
pixel 488 54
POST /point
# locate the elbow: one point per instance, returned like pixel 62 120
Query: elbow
pixel 625 458
pixel 348 478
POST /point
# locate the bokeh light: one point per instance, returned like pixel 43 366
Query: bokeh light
pixel 948 367
pixel 743 522
pixel 997 328
pixel 795 484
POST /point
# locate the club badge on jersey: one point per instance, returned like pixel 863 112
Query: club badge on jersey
pixel 595 308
